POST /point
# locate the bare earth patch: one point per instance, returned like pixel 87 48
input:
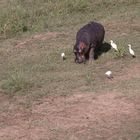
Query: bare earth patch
pixel 40 37
pixel 107 116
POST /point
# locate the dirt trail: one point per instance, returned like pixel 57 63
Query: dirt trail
pixel 108 116
pixel 41 37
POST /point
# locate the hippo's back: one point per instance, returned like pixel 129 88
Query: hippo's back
pixel 91 32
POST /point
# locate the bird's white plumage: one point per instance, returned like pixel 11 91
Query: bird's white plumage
pixel 114 46
pixel 63 55
pixel 109 74
pixel 131 51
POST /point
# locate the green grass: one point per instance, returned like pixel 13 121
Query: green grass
pixel 121 53
pixel 15 82
pixel 40 60
pixel 18 16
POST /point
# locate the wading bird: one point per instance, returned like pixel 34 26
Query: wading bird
pixel 131 51
pixel 114 46
pixel 63 56
pixel 109 74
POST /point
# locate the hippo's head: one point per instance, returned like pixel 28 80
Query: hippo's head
pixel 79 51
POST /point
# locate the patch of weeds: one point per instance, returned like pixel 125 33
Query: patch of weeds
pixel 138 137
pixel 89 79
pixel 15 82
pixel 14 21
pixel 121 53
pixel 77 6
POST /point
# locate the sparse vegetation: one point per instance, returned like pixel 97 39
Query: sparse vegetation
pixel 19 16
pixel 33 34
pixel 15 82
pixel 41 59
pixel 90 79
pixel 121 53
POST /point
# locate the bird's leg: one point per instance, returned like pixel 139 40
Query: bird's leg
pixel 133 56
pixel 110 77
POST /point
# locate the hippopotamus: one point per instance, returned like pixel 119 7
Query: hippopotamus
pixel 88 38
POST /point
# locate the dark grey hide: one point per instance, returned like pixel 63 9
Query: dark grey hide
pixel 88 38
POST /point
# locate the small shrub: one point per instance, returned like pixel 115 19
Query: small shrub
pixel 15 83
pixel 14 22
pixel 120 53
pixel 89 79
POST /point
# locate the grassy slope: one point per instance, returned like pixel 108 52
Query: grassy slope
pixel 37 70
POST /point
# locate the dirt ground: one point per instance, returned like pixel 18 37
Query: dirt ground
pixel 106 116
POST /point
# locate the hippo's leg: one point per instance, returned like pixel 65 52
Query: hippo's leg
pixel 91 55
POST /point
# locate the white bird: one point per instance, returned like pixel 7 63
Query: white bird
pixel 63 56
pixel 114 46
pixel 109 74
pixel 131 51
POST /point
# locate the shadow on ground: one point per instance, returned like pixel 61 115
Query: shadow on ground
pixel 103 49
